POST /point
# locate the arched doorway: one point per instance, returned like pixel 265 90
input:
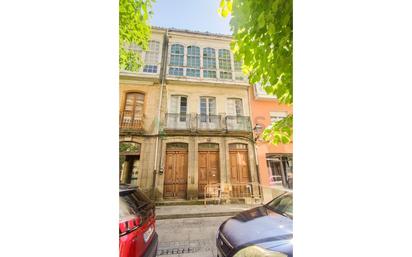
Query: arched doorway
pixel 239 170
pixel 175 177
pixel 208 169
pixel 129 162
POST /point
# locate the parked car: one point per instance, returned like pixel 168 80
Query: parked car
pixel 263 231
pixel 137 229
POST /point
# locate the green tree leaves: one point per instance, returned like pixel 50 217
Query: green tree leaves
pixel 279 132
pixel 225 8
pixel 134 32
pixel 263 40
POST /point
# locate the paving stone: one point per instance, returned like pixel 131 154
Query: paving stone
pixel 194 237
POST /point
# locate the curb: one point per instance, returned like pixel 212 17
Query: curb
pixel 196 215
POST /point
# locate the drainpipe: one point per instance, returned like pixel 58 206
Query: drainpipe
pixel 254 145
pixel 162 79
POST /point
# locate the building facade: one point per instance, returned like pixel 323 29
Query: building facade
pixel 185 120
pixel 275 162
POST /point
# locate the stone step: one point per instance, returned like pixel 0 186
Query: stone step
pixel 209 201
pixel 179 202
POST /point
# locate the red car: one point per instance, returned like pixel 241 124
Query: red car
pixel 137 230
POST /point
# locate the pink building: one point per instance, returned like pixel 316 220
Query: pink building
pixel 275 162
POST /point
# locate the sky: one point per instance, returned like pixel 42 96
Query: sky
pixel 198 15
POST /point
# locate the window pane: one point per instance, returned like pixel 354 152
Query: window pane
pixel 209 74
pixel 239 107
pixel 209 52
pixel 176 60
pixel 177 49
pixel 209 58
pixel 192 73
pixel 193 61
pixel 212 106
pixel 193 56
pixel 177 55
pixel 238 71
pixel 150 68
pixel 193 50
pixel 183 105
pixel 176 71
pixel 224 59
pixel 209 63
pixel 238 66
pixel 225 75
pixel 183 108
pixel 151 57
pixel 237 146
pixel 203 105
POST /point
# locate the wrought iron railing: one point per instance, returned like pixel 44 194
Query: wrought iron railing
pixel 238 123
pixel 129 120
pixel 208 122
pixel 177 121
pixel 203 122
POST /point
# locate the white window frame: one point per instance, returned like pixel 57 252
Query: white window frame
pixel 242 106
pixel 178 121
pixel 230 70
pixel 191 67
pixel 278 116
pixel 177 66
pixel 154 62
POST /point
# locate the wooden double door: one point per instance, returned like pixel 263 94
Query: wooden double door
pixel 239 172
pixel 175 177
pixel 208 169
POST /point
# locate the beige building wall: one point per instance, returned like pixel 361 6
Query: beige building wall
pixel 151 100
pixel 146 165
pixel 222 93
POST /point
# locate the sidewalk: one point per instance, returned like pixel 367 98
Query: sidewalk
pixel 198 211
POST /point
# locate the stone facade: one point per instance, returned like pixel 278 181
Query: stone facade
pixel 160 125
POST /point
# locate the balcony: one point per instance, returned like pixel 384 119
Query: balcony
pixel 131 122
pixel 202 123
pixel 208 122
pixel 177 121
pixel 238 123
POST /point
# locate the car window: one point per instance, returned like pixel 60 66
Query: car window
pixel 125 210
pixel 282 204
pixel 130 202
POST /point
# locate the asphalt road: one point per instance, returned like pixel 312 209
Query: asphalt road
pixel 190 237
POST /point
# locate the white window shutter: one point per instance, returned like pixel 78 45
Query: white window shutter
pixel 174 104
pixel 231 109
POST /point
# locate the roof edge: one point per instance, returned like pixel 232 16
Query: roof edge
pixel 193 32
